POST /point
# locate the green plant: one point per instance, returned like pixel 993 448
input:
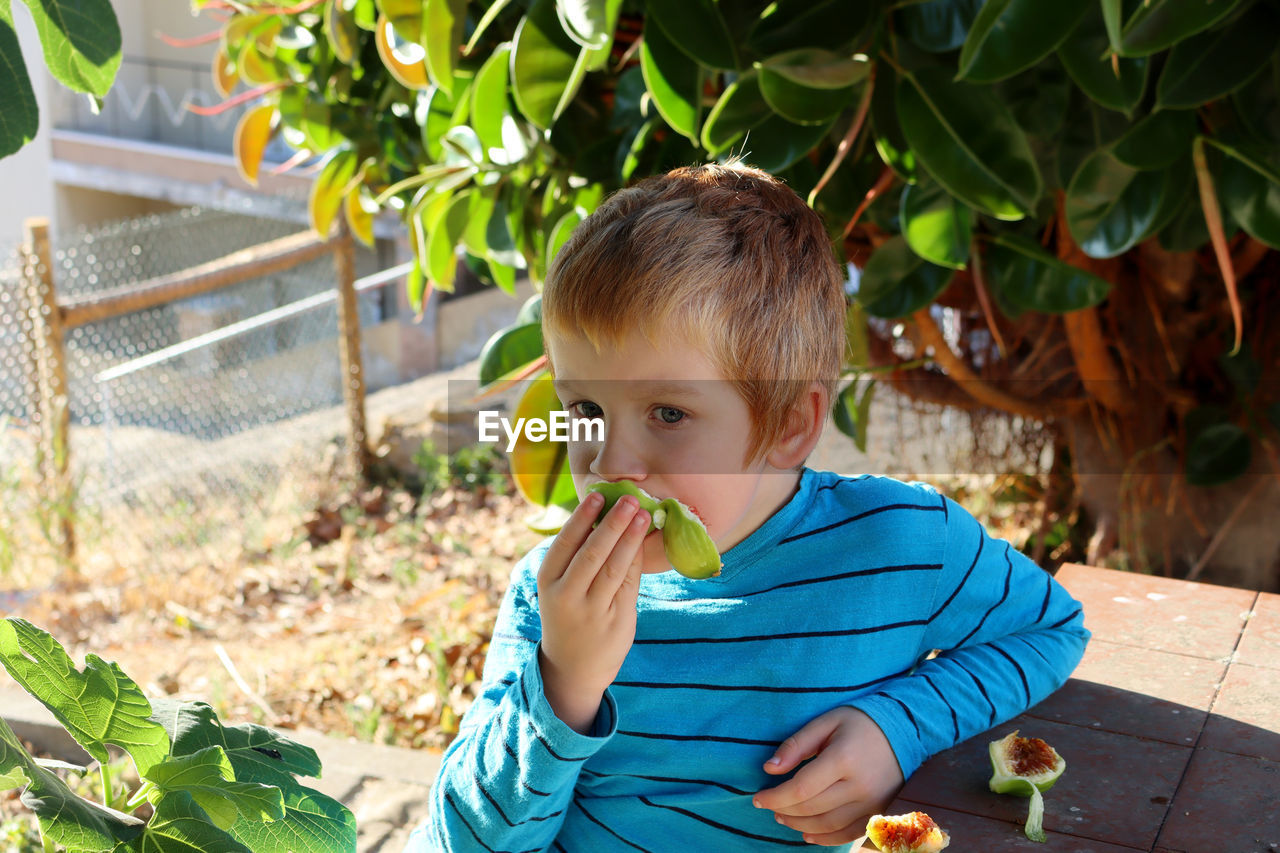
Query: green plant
pixel 470 468
pixel 208 786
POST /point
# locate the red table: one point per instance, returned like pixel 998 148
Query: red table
pixel 1170 728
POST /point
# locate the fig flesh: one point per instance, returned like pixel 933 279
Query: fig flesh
pixel 688 545
pixel 1025 767
pixel 908 833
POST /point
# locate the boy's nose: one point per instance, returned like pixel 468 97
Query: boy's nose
pixel 615 459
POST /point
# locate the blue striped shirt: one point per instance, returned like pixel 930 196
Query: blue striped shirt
pixel 838 599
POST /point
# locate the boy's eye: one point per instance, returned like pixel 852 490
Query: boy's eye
pixel 586 409
pixel 670 414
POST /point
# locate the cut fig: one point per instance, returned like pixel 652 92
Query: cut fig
pixel 688 545
pixel 1025 767
pixel 907 833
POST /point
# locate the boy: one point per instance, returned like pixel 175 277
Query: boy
pixel 700 315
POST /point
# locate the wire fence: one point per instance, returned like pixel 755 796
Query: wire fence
pixel 189 420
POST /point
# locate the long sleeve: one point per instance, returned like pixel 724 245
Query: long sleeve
pixel 507 781
pixel 1001 635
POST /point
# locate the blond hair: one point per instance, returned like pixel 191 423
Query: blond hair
pixel 725 255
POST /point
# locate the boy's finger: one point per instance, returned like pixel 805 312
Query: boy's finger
pixel 805 743
pixel 586 565
pixel 814 783
pixel 622 562
pixel 571 536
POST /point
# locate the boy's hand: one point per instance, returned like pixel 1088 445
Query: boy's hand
pixel 587 589
pixel 854 775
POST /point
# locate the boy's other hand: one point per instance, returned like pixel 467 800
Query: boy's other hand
pixel 854 775
pixel 587 590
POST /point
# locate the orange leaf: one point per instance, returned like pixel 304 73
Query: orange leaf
pixel 405 60
pixel 360 211
pixel 225 75
pixel 328 190
pixel 253 132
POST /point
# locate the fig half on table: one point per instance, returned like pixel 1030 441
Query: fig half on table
pixel 1025 767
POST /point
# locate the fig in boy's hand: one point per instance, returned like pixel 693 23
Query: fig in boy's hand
pixel 908 833
pixel 1025 767
pixel 689 547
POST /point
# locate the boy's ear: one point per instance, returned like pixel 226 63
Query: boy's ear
pixel 804 427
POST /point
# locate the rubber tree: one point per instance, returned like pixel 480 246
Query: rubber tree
pixel 1064 212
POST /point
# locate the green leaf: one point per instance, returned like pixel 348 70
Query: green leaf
pixel 1159 24
pixel 1257 103
pixel 81 42
pixel 542 61
pixel 207 776
pixel 740 107
pixel 936 226
pixel 19 116
pixel 589 22
pixel 1249 186
pixel 969 141
pixel 312 821
pixel 1117 86
pixel 1111 207
pixel 775 144
pixel 1217 62
pixel 897 282
pixel 98 706
pixel 1029 278
pixel 809 85
pixel 180 825
pixel 65 818
pixel 509 350
pixel 697 28
pixel 853 412
pixel 443 239
pixel 442 36
pixel 499 238
pixel 257 754
pixel 560 234
pixel 891 145
pixel 674 81
pixel 1009 36
pixel 789 24
pixel 1186 230
pixel 489 97
pixel 1157 141
pixel 406 17
pixel 342 31
pixel 329 188
pixel 938 25
pixel 1218 454
pixel 416 287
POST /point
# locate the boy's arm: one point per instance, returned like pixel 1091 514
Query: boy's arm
pixel 1007 635
pixel 506 782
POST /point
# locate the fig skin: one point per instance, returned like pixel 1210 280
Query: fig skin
pixel 688 545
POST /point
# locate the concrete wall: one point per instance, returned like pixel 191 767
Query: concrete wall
pixel 24 177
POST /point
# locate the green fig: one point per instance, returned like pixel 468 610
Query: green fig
pixel 688 545
pixel 1025 767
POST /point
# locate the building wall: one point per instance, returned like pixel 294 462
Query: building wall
pixel 24 177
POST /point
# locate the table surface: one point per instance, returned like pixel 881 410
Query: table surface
pixel 1170 728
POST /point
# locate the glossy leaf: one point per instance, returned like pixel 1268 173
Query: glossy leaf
pixel 897 282
pixel 588 22
pixel 359 210
pixel 1257 104
pixel 181 825
pixel 1111 207
pixel 253 132
pixel 674 81
pixel 561 232
pixel 1249 186
pixel 442 24
pixel 341 30
pixel 775 144
pixel 542 60
pixel 541 468
pixel 938 25
pixel 417 288
pixel 852 411
pixel 1157 141
pixel 80 40
pixel 1029 278
pixel 1117 84
pixel 696 27
pixel 1218 454
pixel 406 16
pixel 224 72
pixel 969 142
pixel 443 239
pixel 891 145
pixel 208 778
pixel 809 86
pixel 19 115
pixel 936 226
pixel 1159 24
pixel 405 60
pixel 329 188
pixel 1009 36
pixel 509 351
pixel 489 103
pixel 1217 62
pixel 789 24
pixel 741 106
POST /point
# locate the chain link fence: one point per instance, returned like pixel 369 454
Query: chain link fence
pixel 191 422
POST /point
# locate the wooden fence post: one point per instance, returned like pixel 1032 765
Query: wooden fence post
pixel 50 382
pixel 352 365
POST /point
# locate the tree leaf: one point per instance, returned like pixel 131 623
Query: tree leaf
pixel 897 282
pixel 775 144
pixel 697 28
pixel 224 71
pixel 489 102
pixel 1029 278
pixel 852 411
pixel 741 106
pixel 891 145
pixel 589 22
pixel 938 25
pixel 442 24
pixel 674 81
pixel 1217 62
pixel 509 350
pixel 1157 141
pixel 788 24
pixel 19 116
pixel 936 226
pixel 341 30
pixel 542 60
pixel 1218 454
pixel 1249 186
pixel 1117 86
pixel 541 468
pixel 560 234
pixel 1008 36
pixel 180 825
pixel 405 60
pixel 208 778
pixel 360 210
pixel 98 706
pixel 1159 24
pixel 809 86
pixel 65 818
pixel 969 141
pixel 1110 207
pixel 253 132
pixel 330 186
pixel 81 42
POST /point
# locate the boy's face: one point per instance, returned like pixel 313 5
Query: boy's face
pixel 673 424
